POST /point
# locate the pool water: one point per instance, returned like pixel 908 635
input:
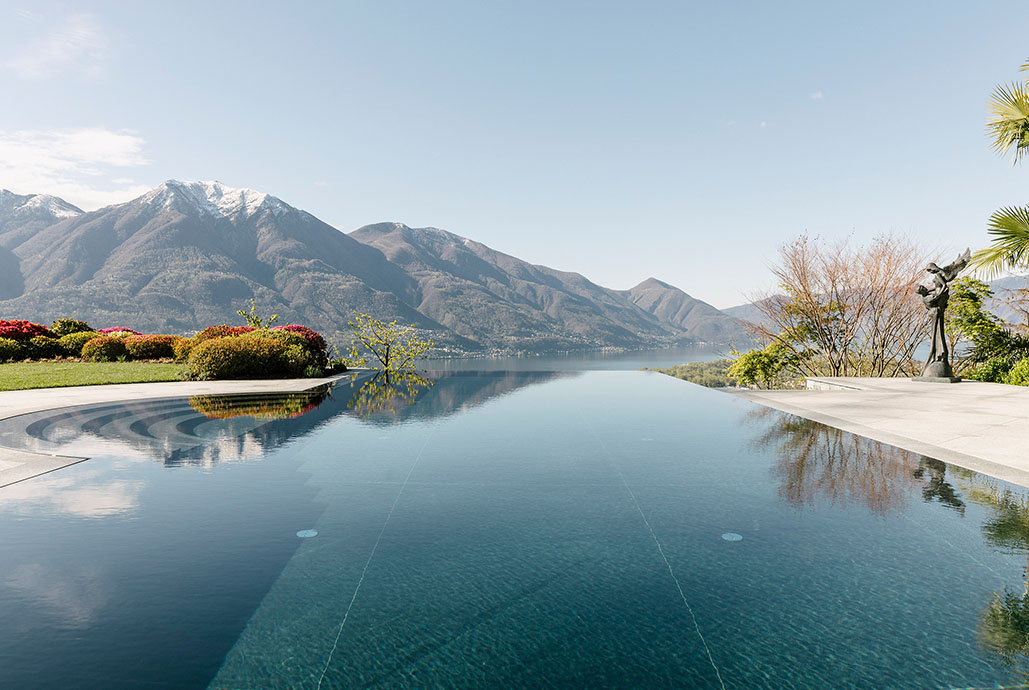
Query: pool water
pixel 508 530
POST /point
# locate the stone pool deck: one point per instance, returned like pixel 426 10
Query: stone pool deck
pixel 18 465
pixel 979 426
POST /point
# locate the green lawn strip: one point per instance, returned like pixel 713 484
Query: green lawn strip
pixel 16 376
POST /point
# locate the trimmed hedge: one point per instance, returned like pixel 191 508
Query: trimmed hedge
pixel 182 348
pixel 104 348
pixel 239 358
pixel 73 342
pixel 222 331
pixel 63 327
pixel 43 347
pixel 10 350
pixel 151 346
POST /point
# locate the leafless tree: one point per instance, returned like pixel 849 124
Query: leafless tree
pixel 845 310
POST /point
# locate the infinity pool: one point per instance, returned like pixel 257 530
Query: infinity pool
pixel 506 530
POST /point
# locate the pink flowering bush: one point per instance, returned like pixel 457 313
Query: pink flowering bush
pixel 21 330
pixel 315 341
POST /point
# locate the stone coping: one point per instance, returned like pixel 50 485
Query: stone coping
pixel 979 426
pixel 18 465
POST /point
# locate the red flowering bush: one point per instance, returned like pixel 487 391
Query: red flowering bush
pixel 151 346
pixel 314 339
pixel 21 330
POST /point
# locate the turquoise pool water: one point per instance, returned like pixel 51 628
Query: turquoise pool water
pixel 602 529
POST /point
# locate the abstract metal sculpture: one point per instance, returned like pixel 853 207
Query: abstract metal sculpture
pixel 937 365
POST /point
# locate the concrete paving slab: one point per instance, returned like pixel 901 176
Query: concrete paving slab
pixel 979 426
pixel 17 465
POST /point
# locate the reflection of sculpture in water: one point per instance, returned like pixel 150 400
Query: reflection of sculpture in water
pixel 387 391
pixel 938 489
pixel 937 365
pixel 815 461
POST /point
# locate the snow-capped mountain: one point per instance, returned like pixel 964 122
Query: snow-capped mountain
pixel 214 198
pixel 21 217
pixel 189 254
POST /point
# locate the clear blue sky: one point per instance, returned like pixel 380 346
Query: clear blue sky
pixel 680 140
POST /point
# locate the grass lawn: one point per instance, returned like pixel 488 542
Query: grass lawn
pixel 16 376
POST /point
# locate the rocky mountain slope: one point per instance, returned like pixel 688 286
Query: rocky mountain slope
pixel 188 254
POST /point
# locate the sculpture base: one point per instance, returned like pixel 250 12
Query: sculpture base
pixel 937 379
pixel 936 370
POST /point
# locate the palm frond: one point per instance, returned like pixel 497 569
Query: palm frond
pixel 1010 245
pixel 1008 124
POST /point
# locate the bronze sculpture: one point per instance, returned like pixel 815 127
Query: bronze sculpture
pixel 937 365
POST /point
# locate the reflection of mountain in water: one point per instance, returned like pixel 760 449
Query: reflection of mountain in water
pixel 819 462
pixel 206 430
pixel 437 394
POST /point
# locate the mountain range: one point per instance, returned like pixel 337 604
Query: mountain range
pixel 189 254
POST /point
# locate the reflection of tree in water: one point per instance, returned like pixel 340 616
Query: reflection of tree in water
pixel 815 461
pixel 1004 623
pixel 387 391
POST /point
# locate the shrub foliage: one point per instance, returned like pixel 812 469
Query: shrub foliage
pixel 104 348
pixel 73 342
pixel 151 346
pixel 63 327
pixel 239 358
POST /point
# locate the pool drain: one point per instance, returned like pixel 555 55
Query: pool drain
pixel 732 536
pixel 308 533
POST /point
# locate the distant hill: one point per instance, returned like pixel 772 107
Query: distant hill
pixel 1001 287
pixel 189 254
pixel 746 312
pixel 699 319
pixel 505 302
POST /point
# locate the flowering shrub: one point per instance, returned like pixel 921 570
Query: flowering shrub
pixel 20 330
pixel 63 327
pixel 314 339
pixel 151 346
pixel 222 331
pixel 104 348
pixel 239 358
pixel 10 350
pixel 73 342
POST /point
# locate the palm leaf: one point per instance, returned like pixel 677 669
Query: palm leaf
pixel 1010 245
pixel 1008 124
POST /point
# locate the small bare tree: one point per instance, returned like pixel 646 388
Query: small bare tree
pixel 845 310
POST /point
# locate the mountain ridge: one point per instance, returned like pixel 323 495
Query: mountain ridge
pixel 187 254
